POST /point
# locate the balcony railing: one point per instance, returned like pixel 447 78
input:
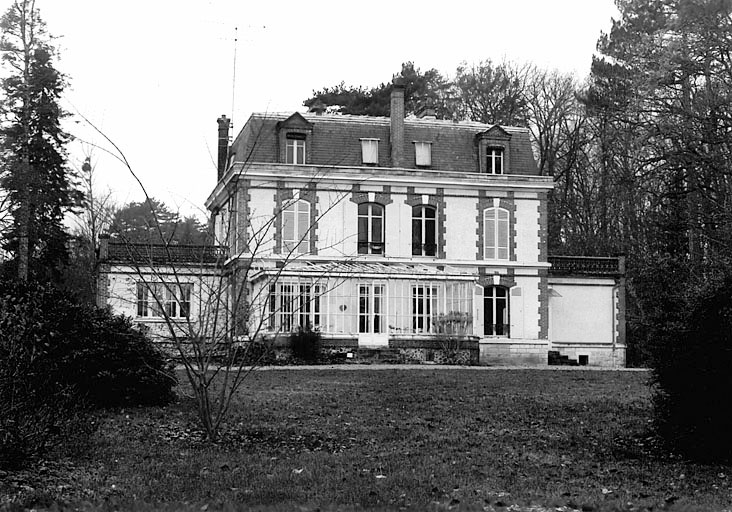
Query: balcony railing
pixel 371 247
pixel 586 266
pixel 424 249
pixel 158 253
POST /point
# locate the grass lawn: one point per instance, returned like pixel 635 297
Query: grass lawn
pixel 396 439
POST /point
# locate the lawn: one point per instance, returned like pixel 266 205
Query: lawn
pixel 393 439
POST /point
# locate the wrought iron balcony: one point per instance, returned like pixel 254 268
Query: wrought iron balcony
pixel 142 254
pixel 586 266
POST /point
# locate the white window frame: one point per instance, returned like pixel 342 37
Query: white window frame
pixel 425 305
pixel 370 151
pixel 495 157
pixel 423 153
pixel 424 222
pixel 368 242
pixel 296 214
pixel 372 311
pixel 496 233
pixel 295 151
pixel 175 298
pixel 490 295
pixel 178 300
pixel 292 304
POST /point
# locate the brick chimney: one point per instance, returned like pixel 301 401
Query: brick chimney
pixel 224 123
pixel 396 115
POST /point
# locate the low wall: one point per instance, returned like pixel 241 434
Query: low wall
pixel 514 353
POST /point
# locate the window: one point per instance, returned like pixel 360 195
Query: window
pixel 424 305
pixel 296 227
pixel 292 305
pixel 370 228
pixel 495 311
pixel 146 303
pixel 371 308
pixel 494 161
pixel 423 154
pixel 370 151
pixel 174 298
pixel 295 149
pixel 424 230
pixel 495 224
pixel 178 300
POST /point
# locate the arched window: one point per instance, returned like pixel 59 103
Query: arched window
pixel 424 230
pixel 296 227
pixel 495 311
pixel 370 228
pixel 495 224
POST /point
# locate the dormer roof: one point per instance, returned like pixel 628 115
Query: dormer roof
pixel 295 121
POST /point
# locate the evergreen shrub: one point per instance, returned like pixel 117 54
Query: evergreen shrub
pixel 305 344
pixel 58 358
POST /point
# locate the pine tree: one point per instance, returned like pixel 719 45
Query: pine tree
pixel 33 171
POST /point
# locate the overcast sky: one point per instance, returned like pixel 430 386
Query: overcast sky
pixel 154 75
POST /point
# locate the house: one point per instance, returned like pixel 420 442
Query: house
pixel 397 234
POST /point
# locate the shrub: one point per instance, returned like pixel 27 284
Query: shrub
pixel 115 363
pixel 451 329
pixel 693 378
pixel 305 344
pixel 57 357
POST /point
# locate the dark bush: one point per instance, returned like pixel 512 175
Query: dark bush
pixel 58 357
pixel 693 377
pixel 259 352
pixel 115 363
pixel 305 344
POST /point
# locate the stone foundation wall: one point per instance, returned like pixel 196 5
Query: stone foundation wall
pixel 515 354
pixel 597 355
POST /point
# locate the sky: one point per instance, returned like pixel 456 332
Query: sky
pixel 154 75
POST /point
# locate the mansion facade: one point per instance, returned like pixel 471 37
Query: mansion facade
pixel 393 233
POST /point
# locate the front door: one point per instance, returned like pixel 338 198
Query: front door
pixel 372 331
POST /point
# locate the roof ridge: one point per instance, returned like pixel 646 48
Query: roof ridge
pixel 384 120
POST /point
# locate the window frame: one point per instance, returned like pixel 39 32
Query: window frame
pixel 293 143
pixel 370 149
pixel 294 212
pixel 421 246
pixel 178 300
pixel 491 295
pixel 495 154
pixel 426 154
pixel 293 304
pixel 425 306
pixel 372 311
pixel 161 300
pixel 365 240
pixel 497 246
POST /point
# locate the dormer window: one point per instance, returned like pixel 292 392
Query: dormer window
pixel 494 151
pixel 295 149
pixel 494 160
pixel 370 151
pixel 423 154
pixel 294 140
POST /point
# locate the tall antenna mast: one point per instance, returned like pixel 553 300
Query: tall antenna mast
pixel 233 79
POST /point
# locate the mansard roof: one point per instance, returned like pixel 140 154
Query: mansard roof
pixel 336 140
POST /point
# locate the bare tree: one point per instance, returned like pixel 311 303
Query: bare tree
pixel 91 220
pixel 221 328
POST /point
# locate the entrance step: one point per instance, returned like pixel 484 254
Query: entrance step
pixel 555 358
pixel 367 355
